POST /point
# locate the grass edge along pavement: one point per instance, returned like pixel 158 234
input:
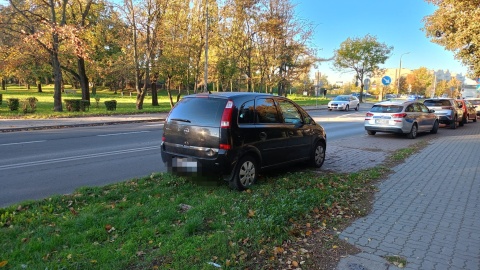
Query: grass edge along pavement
pixel 287 220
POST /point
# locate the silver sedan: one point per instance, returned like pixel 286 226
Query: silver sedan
pixel 344 103
pixel 402 117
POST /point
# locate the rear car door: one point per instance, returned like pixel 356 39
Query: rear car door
pixel 271 133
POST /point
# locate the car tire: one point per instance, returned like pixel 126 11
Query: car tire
pixel 453 124
pixel 245 173
pixel 318 155
pixel 434 128
pixel 369 132
pixel 357 108
pixel 475 119
pixel 413 132
pixel 461 122
pixel 347 108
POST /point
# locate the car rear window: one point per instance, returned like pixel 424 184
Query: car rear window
pixel 437 103
pixel 199 111
pixel 386 108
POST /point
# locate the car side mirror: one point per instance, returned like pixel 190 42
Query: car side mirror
pixel 432 111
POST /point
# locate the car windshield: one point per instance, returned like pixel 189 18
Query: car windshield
pixel 341 98
pixel 439 103
pixel 386 108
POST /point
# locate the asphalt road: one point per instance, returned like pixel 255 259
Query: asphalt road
pixel 42 163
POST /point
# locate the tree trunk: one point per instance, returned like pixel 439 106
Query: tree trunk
pixel 83 79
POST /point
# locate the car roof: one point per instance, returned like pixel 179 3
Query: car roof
pixel 395 102
pixel 229 94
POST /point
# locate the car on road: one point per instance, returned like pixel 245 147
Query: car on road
pixel 447 110
pixel 475 102
pixel 469 110
pixel 344 103
pixel 401 117
pixel 236 135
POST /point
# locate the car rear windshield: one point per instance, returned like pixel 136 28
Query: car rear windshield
pixel 386 108
pixel 437 103
pixel 199 111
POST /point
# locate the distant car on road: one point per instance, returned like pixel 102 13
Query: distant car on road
pixel 401 117
pixel 344 103
pixel 447 110
pixel 469 110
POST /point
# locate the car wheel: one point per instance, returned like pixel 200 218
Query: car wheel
pixel 475 119
pixel 357 108
pixel 329 109
pixel 434 128
pixel 371 132
pixel 318 155
pixel 245 173
pixel 413 132
pixel 453 124
pixel 461 122
pixel 347 108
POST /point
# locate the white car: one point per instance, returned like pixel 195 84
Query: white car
pixel 344 103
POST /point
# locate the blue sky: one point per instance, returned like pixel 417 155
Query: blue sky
pixel 395 23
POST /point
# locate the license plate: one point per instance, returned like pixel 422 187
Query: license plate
pixel 188 165
pixel 381 121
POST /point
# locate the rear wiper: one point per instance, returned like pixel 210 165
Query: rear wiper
pixel 181 120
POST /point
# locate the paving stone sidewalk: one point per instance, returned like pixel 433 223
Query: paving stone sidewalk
pixel 427 211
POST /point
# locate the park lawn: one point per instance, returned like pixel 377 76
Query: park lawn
pixel 169 222
pixel 125 104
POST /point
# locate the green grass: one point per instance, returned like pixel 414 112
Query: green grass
pixel 168 222
pixel 125 104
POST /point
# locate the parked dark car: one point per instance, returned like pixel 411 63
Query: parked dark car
pixel 447 110
pixel 235 135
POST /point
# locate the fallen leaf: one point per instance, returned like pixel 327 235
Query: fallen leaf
pixel 251 213
pixel 72 210
pixel 3 263
pixel 295 264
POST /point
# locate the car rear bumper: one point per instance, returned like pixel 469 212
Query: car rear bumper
pixel 194 166
pixel 385 129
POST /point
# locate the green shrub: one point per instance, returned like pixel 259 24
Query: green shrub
pixel 76 105
pixel 13 104
pixel 29 104
pixel 111 105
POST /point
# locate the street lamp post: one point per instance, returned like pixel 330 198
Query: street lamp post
pixel 400 73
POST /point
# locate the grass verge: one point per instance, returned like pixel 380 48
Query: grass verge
pixel 286 221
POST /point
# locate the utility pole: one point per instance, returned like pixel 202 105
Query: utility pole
pixel 400 73
pixel 206 47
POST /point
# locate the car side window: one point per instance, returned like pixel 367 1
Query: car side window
pixel 267 111
pixel 289 112
pixel 246 113
pixel 410 108
pixel 423 108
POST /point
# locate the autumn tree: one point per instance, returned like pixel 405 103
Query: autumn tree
pixel 363 56
pixel 455 25
pixel 420 81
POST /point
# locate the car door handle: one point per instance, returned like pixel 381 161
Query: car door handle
pixel 263 135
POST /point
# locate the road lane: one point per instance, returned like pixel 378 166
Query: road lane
pixel 57 161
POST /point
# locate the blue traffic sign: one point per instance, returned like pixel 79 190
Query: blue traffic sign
pixel 386 80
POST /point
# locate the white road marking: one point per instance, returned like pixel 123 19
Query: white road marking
pixel 124 133
pixel 7 144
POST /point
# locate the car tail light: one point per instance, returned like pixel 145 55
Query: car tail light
pixel 225 146
pixel 399 115
pixel 163 138
pixel 368 115
pixel 227 115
